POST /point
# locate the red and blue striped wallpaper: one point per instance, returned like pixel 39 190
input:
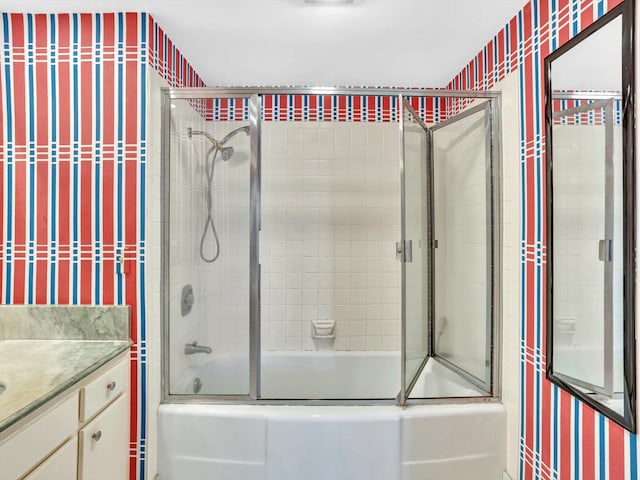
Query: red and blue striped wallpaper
pixel 73 177
pixel 73 93
pixel 560 438
pixel 333 108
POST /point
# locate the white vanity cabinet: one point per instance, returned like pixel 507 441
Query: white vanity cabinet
pixel 61 465
pixel 83 434
pixel 102 453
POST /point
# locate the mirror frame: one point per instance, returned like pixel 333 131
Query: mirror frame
pixel 626 11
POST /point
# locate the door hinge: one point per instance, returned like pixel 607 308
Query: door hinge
pixel 605 252
pixel 404 251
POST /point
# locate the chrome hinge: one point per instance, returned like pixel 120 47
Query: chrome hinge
pixel 404 251
pixel 605 250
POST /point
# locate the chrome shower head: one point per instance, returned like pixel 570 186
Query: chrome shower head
pixel 226 153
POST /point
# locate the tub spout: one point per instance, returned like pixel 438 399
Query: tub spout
pixel 191 348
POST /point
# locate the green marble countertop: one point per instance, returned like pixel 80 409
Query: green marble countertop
pixel 35 371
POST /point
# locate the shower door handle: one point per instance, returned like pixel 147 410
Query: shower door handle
pixel 404 251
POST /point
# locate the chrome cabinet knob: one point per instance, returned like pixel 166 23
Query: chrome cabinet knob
pixel 111 386
pixel 97 436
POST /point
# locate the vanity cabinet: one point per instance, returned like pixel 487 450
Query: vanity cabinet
pixel 61 465
pixel 104 442
pixel 82 436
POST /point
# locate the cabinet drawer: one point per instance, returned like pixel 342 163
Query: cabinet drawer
pixel 104 444
pixel 21 452
pixel 97 395
pixel 62 465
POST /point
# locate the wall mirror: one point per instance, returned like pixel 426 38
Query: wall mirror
pixel 590 216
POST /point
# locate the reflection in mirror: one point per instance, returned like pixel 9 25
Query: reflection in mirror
pixel 589 302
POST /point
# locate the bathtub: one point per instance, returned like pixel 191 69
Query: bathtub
pixel 453 441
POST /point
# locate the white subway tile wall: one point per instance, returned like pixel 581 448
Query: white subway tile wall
pixel 579 212
pixel 185 208
pixel 330 211
pixel 220 314
pixel 223 285
pixel 330 220
pixel 511 282
pixel 460 198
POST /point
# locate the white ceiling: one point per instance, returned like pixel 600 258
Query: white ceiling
pixel 287 42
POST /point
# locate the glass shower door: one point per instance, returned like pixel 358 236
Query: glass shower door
pixel 413 250
pixel 463 233
pixel 587 236
pixel 211 199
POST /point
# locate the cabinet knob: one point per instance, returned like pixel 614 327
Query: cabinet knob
pixel 97 436
pixel 111 386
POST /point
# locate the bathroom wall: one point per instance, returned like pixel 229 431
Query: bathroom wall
pixel 511 283
pixel 44 259
pixel 559 437
pixel 167 68
pixel 220 315
pixel 73 162
pixel 330 220
pixel 72 169
pixel 186 207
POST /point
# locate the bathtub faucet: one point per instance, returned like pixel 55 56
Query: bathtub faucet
pixel 191 348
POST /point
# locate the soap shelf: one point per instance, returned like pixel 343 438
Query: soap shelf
pixel 323 329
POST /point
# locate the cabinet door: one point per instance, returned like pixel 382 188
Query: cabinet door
pixel 61 465
pixel 104 444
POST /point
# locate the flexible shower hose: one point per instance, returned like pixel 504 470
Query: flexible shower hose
pixel 209 168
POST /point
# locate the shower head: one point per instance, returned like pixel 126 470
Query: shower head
pixel 226 153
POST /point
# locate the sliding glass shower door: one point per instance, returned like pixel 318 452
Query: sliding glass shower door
pixel 210 206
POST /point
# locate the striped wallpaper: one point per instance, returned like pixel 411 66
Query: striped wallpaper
pixel 73 164
pixel 592 117
pixel 73 177
pixel 331 108
pixel 561 438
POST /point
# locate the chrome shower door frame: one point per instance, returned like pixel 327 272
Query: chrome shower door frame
pixel 493 216
pixel 254 94
pixel 493 174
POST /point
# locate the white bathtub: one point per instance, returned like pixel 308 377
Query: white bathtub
pixel 268 442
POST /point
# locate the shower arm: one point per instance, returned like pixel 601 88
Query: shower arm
pixel 218 144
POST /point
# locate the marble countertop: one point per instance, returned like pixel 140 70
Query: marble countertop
pixel 35 371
